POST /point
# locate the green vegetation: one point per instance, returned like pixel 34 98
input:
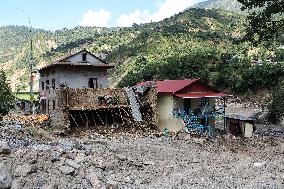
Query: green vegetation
pixel 196 43
pixel 265 20
pixel 276 108
pixel 6 96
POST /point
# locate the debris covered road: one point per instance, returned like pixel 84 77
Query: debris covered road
pixel 33 159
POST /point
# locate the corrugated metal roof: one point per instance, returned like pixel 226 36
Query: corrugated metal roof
pixel 172 86
pixel 242 113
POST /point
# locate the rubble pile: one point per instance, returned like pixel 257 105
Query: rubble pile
pixel 33 120
pixel 131 160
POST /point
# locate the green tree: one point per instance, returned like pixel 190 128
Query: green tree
pixel 6 95
pixel 276 108
pixel 265 18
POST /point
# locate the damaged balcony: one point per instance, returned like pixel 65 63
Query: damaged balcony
pixel 90 107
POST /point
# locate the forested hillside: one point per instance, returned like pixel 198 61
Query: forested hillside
pixel 195 43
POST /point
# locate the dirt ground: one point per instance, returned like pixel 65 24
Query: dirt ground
pixel 36 159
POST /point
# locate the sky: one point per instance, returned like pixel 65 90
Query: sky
pixel 58 14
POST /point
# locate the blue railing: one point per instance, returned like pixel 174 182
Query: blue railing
pixel 192 121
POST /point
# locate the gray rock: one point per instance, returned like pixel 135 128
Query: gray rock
pixel 16 184
pixel 72 163
pixel 24 170
pixel 4 148
pixel 67 170
pixel 5 177
pixel 95 181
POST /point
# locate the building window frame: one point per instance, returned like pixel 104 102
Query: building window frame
pixel 53 84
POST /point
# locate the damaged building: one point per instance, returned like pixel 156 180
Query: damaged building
pixel 240 121
pixel 75 89
pixel 75 93
pixel 190 100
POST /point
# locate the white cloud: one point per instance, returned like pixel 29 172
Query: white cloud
pixel 136 16
pixel 166 9
pixel 100 18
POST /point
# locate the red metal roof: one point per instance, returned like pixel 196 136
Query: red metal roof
pixel 172 86
pixel 169 86
pixel 188 88
pixel 200 95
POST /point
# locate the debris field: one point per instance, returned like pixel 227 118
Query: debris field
pixel 87 159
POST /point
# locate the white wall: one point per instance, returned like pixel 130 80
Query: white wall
pixel 78 58
pixel 72 77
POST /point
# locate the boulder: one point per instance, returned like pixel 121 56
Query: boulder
pixel 5 177
pixel 67 170
pixel 95 181
pixel 72 163
pixel 16 184
pixel 24 170
pixel 4 148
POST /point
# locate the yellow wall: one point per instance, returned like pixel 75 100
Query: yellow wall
pixel 165 106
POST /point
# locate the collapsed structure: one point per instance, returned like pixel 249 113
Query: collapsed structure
pixel 241 120
pixel 75 93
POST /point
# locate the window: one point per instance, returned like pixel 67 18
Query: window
pixel 42 85
pixel 93 83
pixel 53 104
pixel 53 84
pixel 84 57
pixel 205 102
pixel 48 105
pixel 47 84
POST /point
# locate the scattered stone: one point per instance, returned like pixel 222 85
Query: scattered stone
pixel 67 170
pixel 16 184
pixel 95 181
pixel 5 177
pixel 4 148
pixel 72 163
pixel 24 170
pixel 259 164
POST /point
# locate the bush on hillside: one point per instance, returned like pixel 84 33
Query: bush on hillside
pixel 276 108
pixel 6 95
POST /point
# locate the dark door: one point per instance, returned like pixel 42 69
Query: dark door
pixel 187 105
pixel 93 83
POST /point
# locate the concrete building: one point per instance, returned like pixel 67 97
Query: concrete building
pixel 78 71
pixel 190 97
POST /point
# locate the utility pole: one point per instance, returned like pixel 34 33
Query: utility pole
pixel 31 69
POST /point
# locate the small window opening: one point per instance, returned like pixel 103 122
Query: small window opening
pixel 93 83
pixel 84 57
pixel 53 104
pixel 42 85
pixel 47 84
pixel 53 83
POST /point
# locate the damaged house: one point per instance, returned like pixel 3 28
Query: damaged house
pixel 240 121
pixel 74 91
pixel 190 100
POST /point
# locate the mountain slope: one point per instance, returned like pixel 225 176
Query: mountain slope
pixel 194 43
pixel 229 5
